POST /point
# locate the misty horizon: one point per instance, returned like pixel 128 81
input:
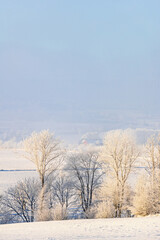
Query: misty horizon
pixel 73 64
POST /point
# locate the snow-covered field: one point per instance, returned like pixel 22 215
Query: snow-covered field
pixel 14 167
pixel 10 178
pixel 11 159
pixel 147 228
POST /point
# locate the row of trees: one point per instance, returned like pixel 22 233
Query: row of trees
pixel 89 181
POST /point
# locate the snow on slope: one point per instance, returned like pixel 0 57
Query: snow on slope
pixel 147 228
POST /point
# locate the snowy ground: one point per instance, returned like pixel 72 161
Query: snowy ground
pixel 10 178
pixel 11 159
pixel 147 228
pixel 14 167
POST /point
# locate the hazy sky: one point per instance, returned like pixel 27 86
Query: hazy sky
pixel 80 55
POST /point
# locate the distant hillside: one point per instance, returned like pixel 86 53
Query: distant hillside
pixel 72 125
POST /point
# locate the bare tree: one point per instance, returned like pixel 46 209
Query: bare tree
pixel 20 200
pixel 61 195
pixel 86 172
pixel 4 216
pixel 118 154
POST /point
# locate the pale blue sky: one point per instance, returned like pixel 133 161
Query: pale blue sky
pixel 80 55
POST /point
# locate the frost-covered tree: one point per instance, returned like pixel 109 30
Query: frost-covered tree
pixel 86 173
pixel 108 199
pixel 45 151
pixel 118 155
pixel 20 201
pixel 147 191
pixel 152 157
pixel 105 209
pixel 142 202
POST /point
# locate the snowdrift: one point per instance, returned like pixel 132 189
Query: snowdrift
pixel 98 229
